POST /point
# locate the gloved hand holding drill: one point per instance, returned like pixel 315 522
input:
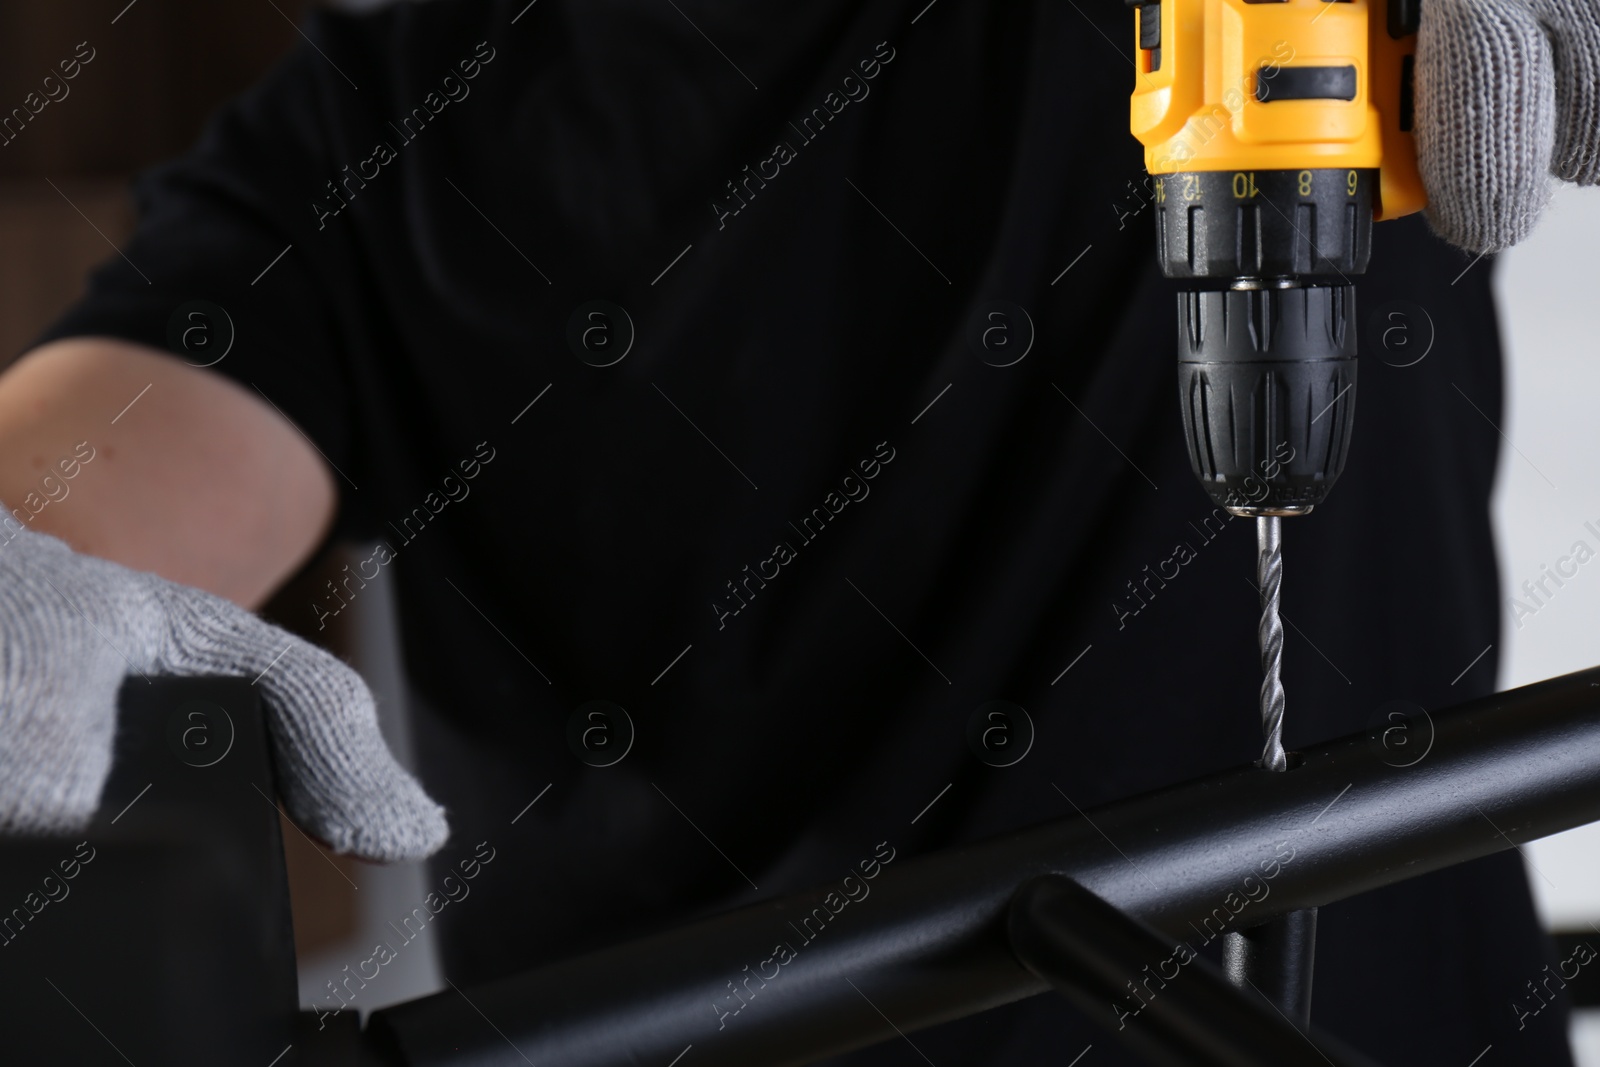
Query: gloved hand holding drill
pixel 1508 95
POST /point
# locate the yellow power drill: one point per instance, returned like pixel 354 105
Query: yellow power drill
pixel 1275 133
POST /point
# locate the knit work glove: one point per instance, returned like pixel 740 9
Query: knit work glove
pixel 73 626
pixel 1508 94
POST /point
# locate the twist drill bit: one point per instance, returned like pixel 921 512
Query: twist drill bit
pixel 1269 576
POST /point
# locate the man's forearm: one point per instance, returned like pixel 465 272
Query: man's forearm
pixel 128 454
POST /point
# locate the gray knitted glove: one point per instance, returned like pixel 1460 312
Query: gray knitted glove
pixel 73 626
pixel 1508 94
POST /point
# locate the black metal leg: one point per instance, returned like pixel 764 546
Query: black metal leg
pixel 1276 959
pixel 1160 996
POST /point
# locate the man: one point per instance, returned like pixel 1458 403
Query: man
pixel 652 349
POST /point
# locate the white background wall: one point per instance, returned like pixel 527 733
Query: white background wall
pixel 1550 306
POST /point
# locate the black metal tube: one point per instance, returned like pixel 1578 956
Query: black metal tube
pixel 1276 959
pixel 928 944
pixel 1158 996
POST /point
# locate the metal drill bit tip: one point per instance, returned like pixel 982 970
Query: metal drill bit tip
pixel 1269 576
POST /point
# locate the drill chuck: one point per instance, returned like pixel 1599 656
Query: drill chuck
pixel 1266 368
pixel 1267 379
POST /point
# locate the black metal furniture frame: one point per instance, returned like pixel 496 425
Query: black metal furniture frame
pixel 930 944
pixel 946 935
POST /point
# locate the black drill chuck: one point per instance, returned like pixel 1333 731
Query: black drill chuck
pixel 1266 366
pixel 1267 379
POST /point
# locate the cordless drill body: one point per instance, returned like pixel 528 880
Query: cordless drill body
pixel 1275 133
